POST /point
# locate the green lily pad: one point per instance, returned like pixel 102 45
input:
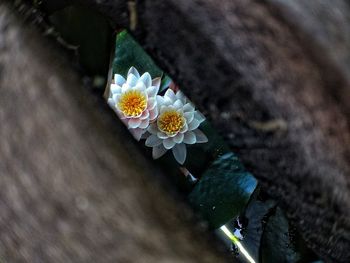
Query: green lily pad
pixel 281 242
pixel 200 156
pixel 277 244
pixel 255 214
pixel 129 53
pixel 223 191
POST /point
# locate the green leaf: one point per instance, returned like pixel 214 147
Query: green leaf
pixel 200 156
pixel 255 214
pixel 223 191
pixel 166 80
pixel 281 242
pixel 277 244
pixel 129 53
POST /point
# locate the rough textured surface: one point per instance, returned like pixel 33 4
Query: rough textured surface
pixel 273 78
pixel 325 24
pixel 74 187
pixel 323 28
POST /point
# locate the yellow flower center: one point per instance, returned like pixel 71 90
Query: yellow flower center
pixel 170 122
pixel 132 103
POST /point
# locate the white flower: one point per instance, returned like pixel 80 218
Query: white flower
pixel 177 125
pixel 134 100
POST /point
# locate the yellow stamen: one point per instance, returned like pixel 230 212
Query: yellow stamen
pixel 170 122
pixel 132 103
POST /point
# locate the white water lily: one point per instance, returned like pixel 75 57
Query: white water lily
pixel 177 125
pixel 134 100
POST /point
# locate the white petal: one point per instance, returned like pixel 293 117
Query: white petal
pixel 125 87
pixel 184 128
pixel 170 94
pixel 145 115
pixel 180 152
pixel 111 102
pixel 200 136
pixel 178 138
pixel 140 86
pixel 166 108
pixel 188 107
pixel 131 80
pixel 116 97
pixel 167 101
pixel 168 143
pixel 189 116
pixel 119 80
pixel 134 71
pixel 193 125
pixel 152 128
pixel 137 133
pixel 180 95
pixel 199 116
pixel 134 123
pixel 178 104
pixel 160 100
pixel 162 135
pixel 153 114
pixel 153 141
pixel 156 82
pixel 180 111
pixel 146 79
pixel 144 124
pixel 151 103
pixel 189 137
pixel 115 89
pixel 158 151
pixel 152 91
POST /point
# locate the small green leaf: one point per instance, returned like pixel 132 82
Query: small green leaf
pixel 223 191
pixel 166 80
